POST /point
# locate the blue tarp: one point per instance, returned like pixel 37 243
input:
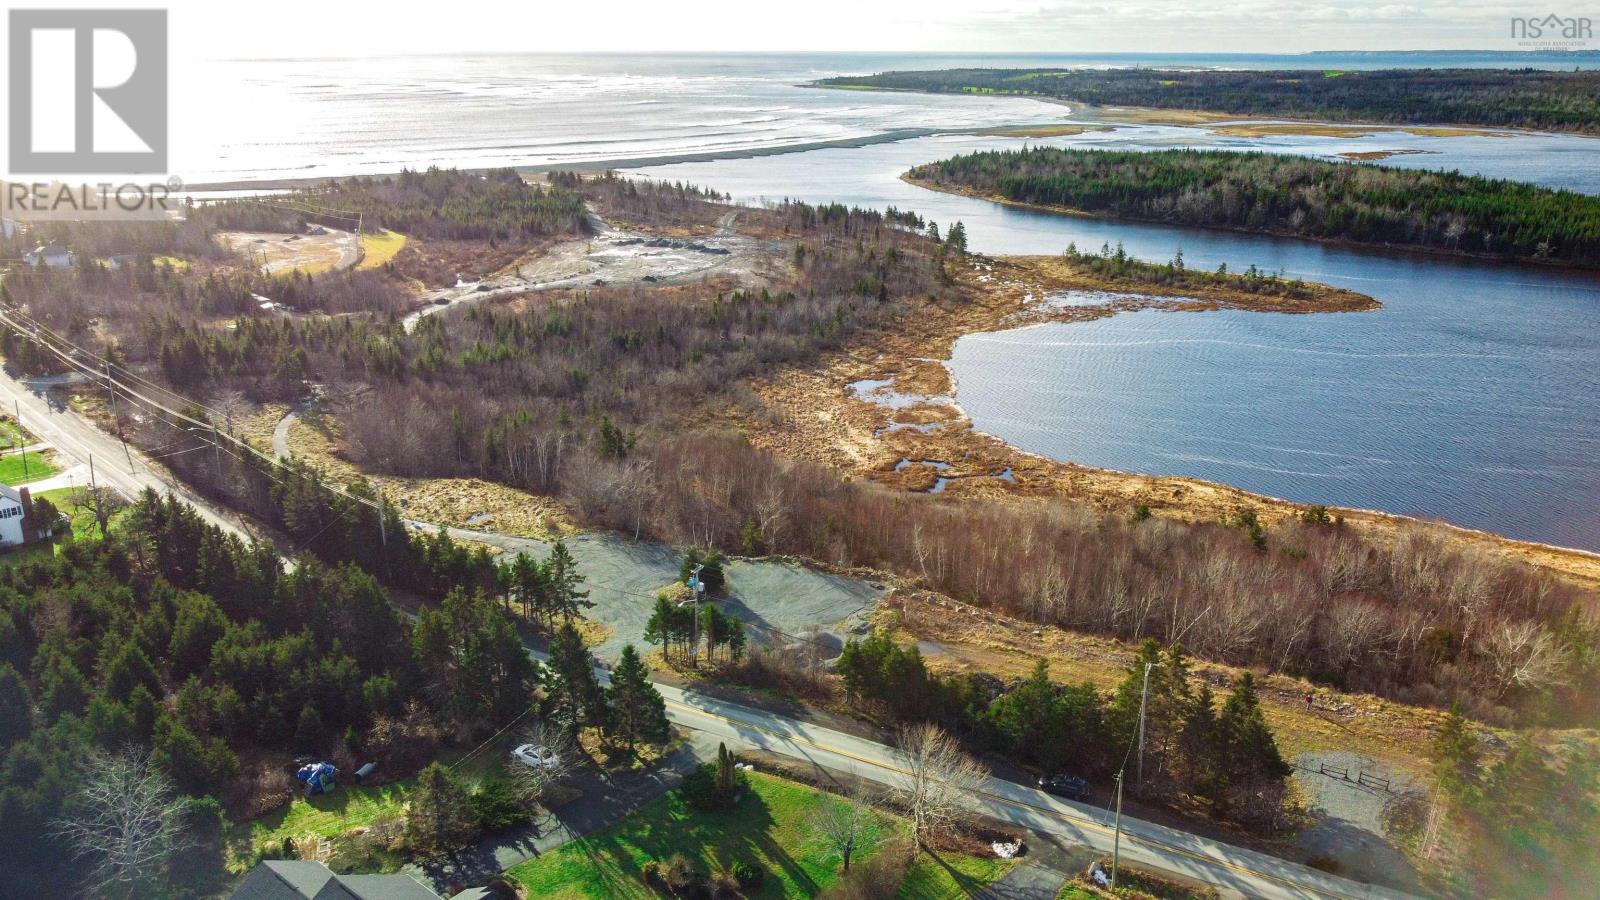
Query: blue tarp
pixel 319 778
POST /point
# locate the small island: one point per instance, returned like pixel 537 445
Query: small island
pixel 1348 202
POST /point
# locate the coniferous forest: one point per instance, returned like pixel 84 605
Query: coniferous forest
pixel 1510 98
pixel 1291 195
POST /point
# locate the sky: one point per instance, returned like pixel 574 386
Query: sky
pixel 312 28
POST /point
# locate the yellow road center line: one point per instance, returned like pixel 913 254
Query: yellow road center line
pixel 1048 811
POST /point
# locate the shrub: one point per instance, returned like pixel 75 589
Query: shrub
pixel 725 884
pixel 712 574
pixel 680 875
pixel 749 875
pixel 496 806
pixel 714 785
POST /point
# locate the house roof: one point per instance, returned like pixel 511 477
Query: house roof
pixel 297 879
pixel 10 493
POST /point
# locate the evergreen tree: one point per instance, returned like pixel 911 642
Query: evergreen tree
pixel 440 817
pixel 1455 757
pixel 638 712
pixel 1250 753
pixel 575 688
pixel 563 578
pixel 15 707
pixel 1200 748
pixel 956 238
pixel 1166 703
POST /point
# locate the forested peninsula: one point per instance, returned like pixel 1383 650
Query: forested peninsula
pixel 1289 195
pixel 1506 98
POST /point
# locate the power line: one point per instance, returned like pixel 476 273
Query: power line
pixel 70 356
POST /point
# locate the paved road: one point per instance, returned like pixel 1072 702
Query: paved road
pixel 126 471
pixel 1233 870
pixel 603 801
pixel 1026 882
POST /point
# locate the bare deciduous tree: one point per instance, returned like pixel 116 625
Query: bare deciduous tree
pixel 533 783
pixel 940 779
pixel 233 405
pixel 850 826
pixel 1524 655
pixel 123 823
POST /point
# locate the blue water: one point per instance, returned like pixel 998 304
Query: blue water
pixel 277 118
pixel 1470 397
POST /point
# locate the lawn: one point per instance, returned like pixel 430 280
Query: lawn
pixel 13 436
pixel 377 249
pixel 84 525
pixel 771 827
pixel 21 468
pixel 951 876
pixel 325 816
pixel 334 815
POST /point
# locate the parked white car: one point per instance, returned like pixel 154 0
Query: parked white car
pixel 535 756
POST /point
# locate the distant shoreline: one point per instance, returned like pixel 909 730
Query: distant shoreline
pixel 635 162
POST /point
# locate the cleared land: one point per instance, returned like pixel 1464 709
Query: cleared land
pixel 282 254
pixel 378 249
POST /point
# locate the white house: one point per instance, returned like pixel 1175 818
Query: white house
pixel 15 505
pixel 54 256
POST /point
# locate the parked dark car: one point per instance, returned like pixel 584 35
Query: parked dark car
pixel 1068 786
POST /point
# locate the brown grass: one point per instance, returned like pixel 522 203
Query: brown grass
pixel 980 640
pixel 807 413
pixel 1044 131
pixel 441 501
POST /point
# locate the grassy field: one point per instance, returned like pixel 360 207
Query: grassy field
pixel 22 468
pixel 377 249
pixel 771 827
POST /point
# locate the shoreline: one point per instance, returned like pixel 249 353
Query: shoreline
pixel 1423 252
pixel 925 443
pixel 651 160
pixel 1177 115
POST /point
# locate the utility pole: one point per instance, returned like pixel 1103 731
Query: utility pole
pixel 18 401
pixel 694 627
pixel 99 510
pixel 1116 840
pixel 216 452
pixel 383 524
pixel 111 393
pixel 1144 695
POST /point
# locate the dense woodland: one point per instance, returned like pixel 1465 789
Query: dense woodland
pixel 1222 758
pixel 1291 195
pixel 1512 98
pixel 441 204
pixel 179 642
pixel 178 639
pixel 606 398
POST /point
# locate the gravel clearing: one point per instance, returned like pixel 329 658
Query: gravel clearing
pixel 623 578
pixel 1348 815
